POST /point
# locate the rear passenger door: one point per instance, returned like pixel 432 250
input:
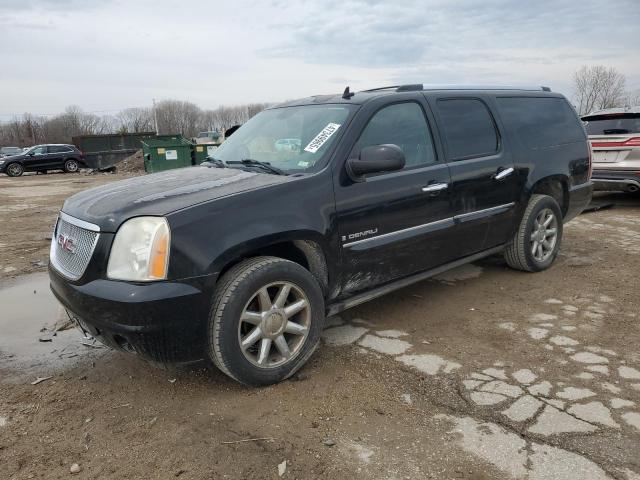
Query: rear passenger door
pixel 57 155
pixel 397 223
pixel 484 185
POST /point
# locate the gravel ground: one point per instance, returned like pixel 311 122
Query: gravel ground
pixel 481 373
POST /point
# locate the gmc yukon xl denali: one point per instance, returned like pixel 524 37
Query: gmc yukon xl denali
pixel 240 260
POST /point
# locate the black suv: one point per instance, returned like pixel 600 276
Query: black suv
pixel 42 158
pixel 239 260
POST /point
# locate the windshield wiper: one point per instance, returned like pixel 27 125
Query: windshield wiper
pixel 266 166
pixel 215 162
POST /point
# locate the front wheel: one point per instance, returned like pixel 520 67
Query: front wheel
pixel 537 241
pixel 266 320
pixel 15 170
pixel 71 166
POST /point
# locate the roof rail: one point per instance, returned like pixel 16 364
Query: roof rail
pixel 419 86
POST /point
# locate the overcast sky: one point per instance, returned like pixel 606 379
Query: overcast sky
pixel 105 55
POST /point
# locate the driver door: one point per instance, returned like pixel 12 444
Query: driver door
pixel 37 158
pixel 396 223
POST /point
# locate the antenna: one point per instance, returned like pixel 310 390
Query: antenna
pixel 347 94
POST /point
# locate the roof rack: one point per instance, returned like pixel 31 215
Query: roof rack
pixel 419 86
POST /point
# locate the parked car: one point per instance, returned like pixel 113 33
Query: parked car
pixel 239 261
pixel 288 144
pixel 9 151
pixel 43 158
pixel 614 134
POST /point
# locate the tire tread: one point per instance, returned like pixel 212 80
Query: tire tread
pixel 515 254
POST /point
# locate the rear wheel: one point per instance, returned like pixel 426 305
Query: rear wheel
pixel 537 241
pixel 71 166
pixel 15 170
pixel 266 320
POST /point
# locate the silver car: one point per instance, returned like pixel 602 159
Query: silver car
pixel 614 134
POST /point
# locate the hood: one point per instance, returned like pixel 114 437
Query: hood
pixel 161 193
pixel 19 156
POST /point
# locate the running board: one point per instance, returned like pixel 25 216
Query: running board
pixel 405 282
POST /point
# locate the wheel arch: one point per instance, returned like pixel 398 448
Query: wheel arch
pixel 555 186
pixel 307 250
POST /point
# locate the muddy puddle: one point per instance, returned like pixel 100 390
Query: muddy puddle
pixel 26 307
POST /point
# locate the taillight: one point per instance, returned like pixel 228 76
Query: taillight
pixel 632 142
pixel 590 162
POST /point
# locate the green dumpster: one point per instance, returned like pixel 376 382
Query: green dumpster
pixel 204 150
pixel 165 152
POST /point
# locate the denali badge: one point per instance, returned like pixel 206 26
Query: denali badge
pixel 354 236
pixel 67 243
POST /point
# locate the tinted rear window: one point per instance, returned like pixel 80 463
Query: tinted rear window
pixel 468 127
pixel 541 122
pixel 613 125
pixel 59 149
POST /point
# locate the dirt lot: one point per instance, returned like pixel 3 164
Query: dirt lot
pixel 481 373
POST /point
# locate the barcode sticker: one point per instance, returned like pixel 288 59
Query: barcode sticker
pixel 322 137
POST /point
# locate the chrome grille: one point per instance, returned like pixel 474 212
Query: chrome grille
pixel 72 245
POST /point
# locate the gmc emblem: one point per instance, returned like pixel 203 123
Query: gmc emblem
pixel 66 243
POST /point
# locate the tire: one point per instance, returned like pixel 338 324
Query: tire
pixel 240 314
pixel 523 253
pixel 14 169
pixel 71 166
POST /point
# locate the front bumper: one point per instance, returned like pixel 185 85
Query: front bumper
pixel 579 199
pixel 616 180
pixel 160 321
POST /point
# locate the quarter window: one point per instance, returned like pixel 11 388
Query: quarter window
pixel 59 149
pixel 468 128
pixel 541 122
pixel 404 125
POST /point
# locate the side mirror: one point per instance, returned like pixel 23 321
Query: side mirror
pixel 375 159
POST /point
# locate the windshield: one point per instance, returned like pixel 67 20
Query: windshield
pixel 292 139
pixel 613 124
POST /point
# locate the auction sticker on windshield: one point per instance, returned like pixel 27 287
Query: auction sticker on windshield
pixel 322 137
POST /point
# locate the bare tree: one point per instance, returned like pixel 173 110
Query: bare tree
pixel 597 87
pixel 175 116
pixel 631 98
pixel 135 120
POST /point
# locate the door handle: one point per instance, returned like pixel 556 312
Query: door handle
pixel 502 174
pixel 435 187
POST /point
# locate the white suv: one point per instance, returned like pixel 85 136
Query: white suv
pixel 615 138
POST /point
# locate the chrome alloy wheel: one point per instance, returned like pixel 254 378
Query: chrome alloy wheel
pixel 71 166
pixel 274 324
pixel 544 235
pixel 14 169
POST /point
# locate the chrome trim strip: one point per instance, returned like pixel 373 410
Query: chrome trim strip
pixel 79 223
pixel 437 225
pixel 485 212
pixel 446 222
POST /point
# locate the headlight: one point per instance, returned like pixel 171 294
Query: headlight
pixel 140 251
pixel 1 162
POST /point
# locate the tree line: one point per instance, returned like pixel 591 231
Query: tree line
pixel 594 88
pixel 172 116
